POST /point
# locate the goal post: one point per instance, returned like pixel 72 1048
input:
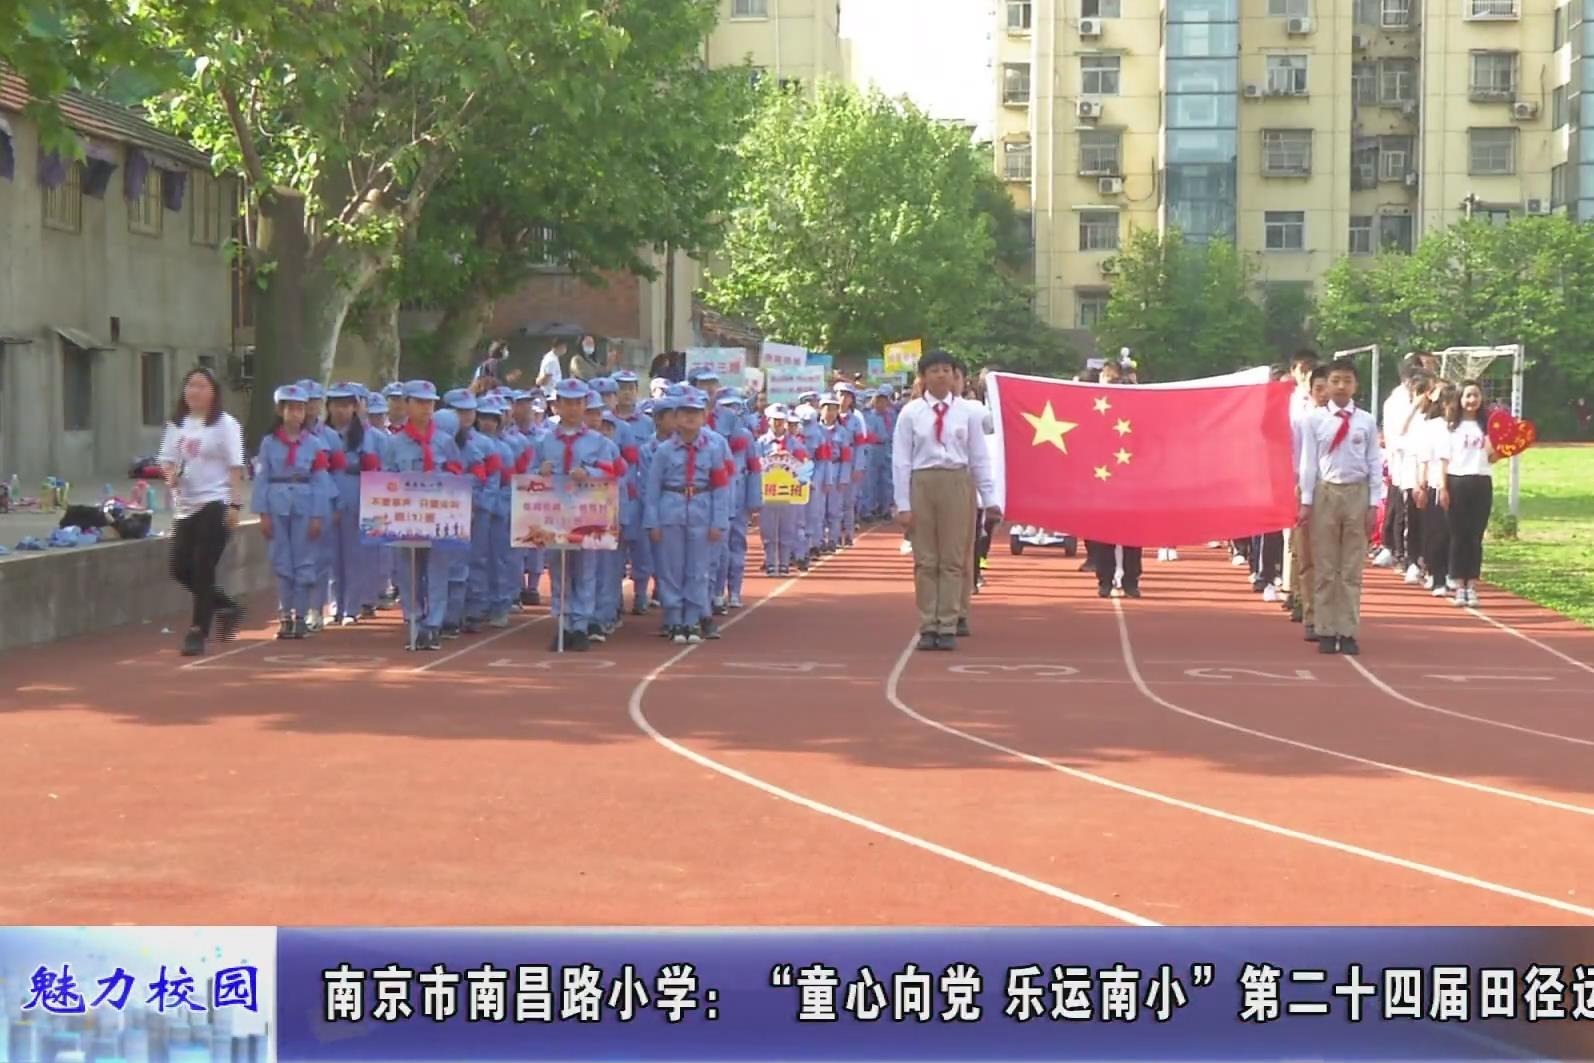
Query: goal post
pixel 1374 404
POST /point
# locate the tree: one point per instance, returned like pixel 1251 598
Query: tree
pixel 855 222
pixel 343 116
pixel 655 172
pixel 1183 308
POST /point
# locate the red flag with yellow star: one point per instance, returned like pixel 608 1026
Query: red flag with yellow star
pixel 1159 465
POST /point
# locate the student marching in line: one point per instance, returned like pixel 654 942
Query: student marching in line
pixel 293 496
pixel 458 420
pixel 636 548
pixel 778 524
pixel 1433 450
pixel 1302 367
pixel 856 465
pixel 686 510
pixel 611 563
pixel 378 559
pixel 835 450
pixel 664 410
pixel 731 566
pixel 1306 571
pixel 1102 558
pixel 813 529
pixel 528 430
pixel 1468 497
pixel 356 452
pixel 423 446
pixel 1340 492
pixel 1397 416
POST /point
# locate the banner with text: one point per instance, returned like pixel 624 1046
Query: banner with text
pixel 903 356
pixel 786 480
pixel 786 383
pixel 782 354
pixel 557 513
pixel 728 362
pixel 414 508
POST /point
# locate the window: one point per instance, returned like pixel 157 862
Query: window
pixel 1089 306
pixel 1100 8
pixel 1395 14
pixel 1558 107
pixel 1493 76
pixel 1098 75
pixel 1491 152
pixel 1394 233
pixel 1364 83
pixel 1493 8
pixel 1017 160
pixel 152 375
pixel 1364 163
pixel 1560 26
pixel 1361 234
pixel 749 8
pixel 1018 16
pixel 8 152
pixel 1098 230
pixel 144 213
pixel 1203 40
pixel 1397 79
pixel 542 239
pixel 1099 153
pixel 1286 152
pixel 756 75
pixel 1394 158
pixel 205 224
pixel 63 204
pixel 1286 75
pixel 1201 75
pixel 1557 185
pixel 77 387
pixel 1288 8
pixel 1284 230
pixel 1015 83
pixel 1366 12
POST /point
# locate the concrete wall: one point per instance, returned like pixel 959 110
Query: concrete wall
pixel 166 293
pixel 62 593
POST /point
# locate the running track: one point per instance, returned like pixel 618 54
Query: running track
pixel 1181 759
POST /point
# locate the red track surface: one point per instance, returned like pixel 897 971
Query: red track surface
pixel 1184 758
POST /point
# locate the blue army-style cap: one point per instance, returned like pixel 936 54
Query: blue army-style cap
pixel 705 373
pixel 604 386
pixel 666 404
pixel 492 406
pixel 625 376
pixel 610 418
pixel 594 401
pixel 424 390
pixel 447 422
pixel 375 403
pixel 570 388
pixel 394 390
pixel 691 402
pixel 845 388
pixel 830 400
pixel 290 393
pixel 344 391
pixel 808 396
pixel 777 412
pixel 645 407
pixel 459 399
pixel 524 396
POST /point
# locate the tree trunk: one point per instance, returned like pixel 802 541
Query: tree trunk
pixel 461 327
pixel 669 297
pixel 279 310
pixel 331 286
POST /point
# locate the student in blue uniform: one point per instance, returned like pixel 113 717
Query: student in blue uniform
pixel 611 563
pixel 835 452
pixel 686 509
pixel 664 410
pixel 882 431
pixel 778 524
pixel 573 450
pixel 637 428
pixel 524 434
pixel 813 518
pixel 458 419
pixel 730 564
pixel 323 547
pixel 293 496
pixel 856 464
pixel 423 446
pixel 397 414
pixel 487 593
pixel 356 451
pixel 378 559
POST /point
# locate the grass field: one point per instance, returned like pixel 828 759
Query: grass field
pixel 1552 559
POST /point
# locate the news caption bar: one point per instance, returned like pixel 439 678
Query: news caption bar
pixel 251 995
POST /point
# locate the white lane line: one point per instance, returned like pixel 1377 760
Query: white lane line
pixel 478 644
pixel 1414 703
pixel 1509 630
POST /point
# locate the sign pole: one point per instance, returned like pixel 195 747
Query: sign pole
pixel 564 599
pixel 415 595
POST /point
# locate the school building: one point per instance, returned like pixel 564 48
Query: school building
pixel 1303 130
pixel 114 282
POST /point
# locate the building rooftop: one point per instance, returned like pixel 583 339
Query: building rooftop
pixel 94 117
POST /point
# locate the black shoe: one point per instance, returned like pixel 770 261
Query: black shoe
pixel 1259 585
pixel 1104 590
pixel 367 612
pixel 285 627
pixel 1328 644
pixel 228 619
pixel 1087 566
pixel 1132 591
pixel 946 642
pixel 301 630
pixel 668 631
pixel 1297 614
pixel 430 639
pixel 1348 647
pixel 802 565
pixel 450 631
pixel 963 629
pixel 708 630
pixel 575 642
pixel 193 643
pixel 471 626
pixel 1311 633
pixel 929 640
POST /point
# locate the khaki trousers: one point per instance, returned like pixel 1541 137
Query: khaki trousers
pixel 1339 553
pixel 1304 571
pixel 941 501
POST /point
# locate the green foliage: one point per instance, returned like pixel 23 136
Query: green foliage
pixel 1184 309
pixel 1286 311
pixel 1002 331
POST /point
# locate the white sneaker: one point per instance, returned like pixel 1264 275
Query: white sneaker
pixel 1162 555
pixel 1439 592
pixel 1384 559
pixel 312 620
pixel 1173 555
pixel 1214 544
pixel 1461 597
pixel 1413 574
pixel 1237 561
pixel 905 548
pixel 1472 597
pixel 1270 593
pixel 735 601
pixel 1451 585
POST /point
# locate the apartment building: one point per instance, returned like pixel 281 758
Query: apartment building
pixel 1304 130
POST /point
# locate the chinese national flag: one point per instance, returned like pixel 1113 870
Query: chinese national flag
pixel 1133 465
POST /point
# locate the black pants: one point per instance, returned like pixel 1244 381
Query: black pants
pixel 1471 499
pixel 1267 556
pixel 1105 558
pixel 1396 529
pixel 197 544
pixel 1435 537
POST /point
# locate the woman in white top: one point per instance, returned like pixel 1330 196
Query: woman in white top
pixel 1469 490
pixel 1432 441
pixel 202 458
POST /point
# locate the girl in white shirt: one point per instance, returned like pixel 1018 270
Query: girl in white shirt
pixel 202 459
pixel 1469 490
pixel 1433 449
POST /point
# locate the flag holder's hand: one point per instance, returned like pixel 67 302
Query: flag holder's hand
pixel 905 519
pixel 1306 514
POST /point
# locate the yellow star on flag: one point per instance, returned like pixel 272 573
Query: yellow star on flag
pixel 1048 429
pixel 1102 405
pixel 1102 473
pixel 1122 428
pixel 1123 456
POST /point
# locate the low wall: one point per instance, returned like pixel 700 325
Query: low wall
pixel 56 594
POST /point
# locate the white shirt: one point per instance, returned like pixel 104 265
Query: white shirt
pixel 1357 460
pixel 981 413
pixel 1300 412
pixel 206 455
pixel 1402 472
pixel 1433 449
pixel 550 369
pixel 1469 450
pixel 962 446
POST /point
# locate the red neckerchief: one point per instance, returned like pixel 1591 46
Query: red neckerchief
pixel 691 461
pixel 569 442
pixel 428 463
pixel 291 444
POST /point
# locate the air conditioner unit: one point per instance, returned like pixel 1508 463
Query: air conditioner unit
pixel 1252 90
pixel 1110 186
pixel 1524 109
pixel 1088 108
pixel 1411 180
pixel 1109 266
pixel 1408 108
pixel 1298 26
pixel 1538 206
pixel 1090 27
pixel 1362 41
